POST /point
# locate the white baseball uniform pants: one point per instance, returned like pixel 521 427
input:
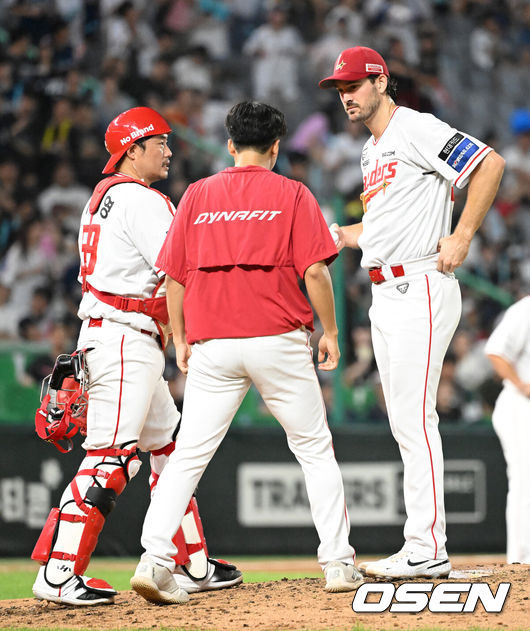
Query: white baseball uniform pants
pixel 511 421
pixel 220 374
pixel 129 401
pixel 413 320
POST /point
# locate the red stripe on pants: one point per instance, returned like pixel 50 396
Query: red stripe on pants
pixel 424 420
pixel 121 390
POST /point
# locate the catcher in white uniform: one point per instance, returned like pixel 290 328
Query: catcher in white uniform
pixel 410 166
pixel 124 331
pixel 508 349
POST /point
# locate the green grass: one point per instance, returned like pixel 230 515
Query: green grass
pixel 17 576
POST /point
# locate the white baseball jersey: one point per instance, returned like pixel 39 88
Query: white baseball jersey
pixel 511 340
pixel 408 178
pixel 409 175
pixel 511 421
pixel 120 244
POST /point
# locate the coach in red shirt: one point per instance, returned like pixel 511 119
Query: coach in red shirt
pixel 237 245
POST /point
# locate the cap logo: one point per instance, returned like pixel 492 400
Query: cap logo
pixel 374 68
pixel 340 65
pixel 136 134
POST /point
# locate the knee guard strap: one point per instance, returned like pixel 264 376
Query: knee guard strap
pixel 102 501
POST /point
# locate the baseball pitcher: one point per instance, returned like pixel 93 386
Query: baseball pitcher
pixel 411 165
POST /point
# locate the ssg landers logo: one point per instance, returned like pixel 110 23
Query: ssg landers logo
pixel 414 597
pixel 377 180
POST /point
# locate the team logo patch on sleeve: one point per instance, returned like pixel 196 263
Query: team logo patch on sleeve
pixel 460 156
pixel 451 144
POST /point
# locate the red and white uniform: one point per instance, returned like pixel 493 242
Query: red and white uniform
pixel 130 403
pixel 239 241
pixel 511 420
pixel 119 244
pixel 409 175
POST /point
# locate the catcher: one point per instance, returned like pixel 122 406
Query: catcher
pixel 120 365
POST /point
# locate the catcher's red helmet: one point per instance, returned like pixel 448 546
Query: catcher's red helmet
pixel 129 127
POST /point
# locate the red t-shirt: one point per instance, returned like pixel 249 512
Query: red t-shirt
pixel 238 241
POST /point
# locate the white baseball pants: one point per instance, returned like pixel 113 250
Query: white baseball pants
pixel 511 421
pixel 220 374
pixel 413 320
pixel 128 397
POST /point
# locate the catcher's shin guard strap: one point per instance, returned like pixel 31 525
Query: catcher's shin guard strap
pixel 42 550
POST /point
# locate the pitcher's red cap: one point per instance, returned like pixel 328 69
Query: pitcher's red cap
pixel 355 63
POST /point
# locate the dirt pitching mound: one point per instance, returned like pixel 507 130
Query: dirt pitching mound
pixel 285 604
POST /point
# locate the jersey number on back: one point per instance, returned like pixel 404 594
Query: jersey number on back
pixel 89 248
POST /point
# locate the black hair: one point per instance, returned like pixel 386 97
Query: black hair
pixel 253 125
pixel 391 87
pixel 140 142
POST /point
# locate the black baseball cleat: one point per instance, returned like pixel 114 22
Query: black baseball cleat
pixel 220 575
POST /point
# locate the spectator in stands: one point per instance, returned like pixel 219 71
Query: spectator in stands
pixel 337 36
pixel 56 135
pixel 9 315
pixel 87 150
pixel 24 127
pixel 192 71
pixel 42 365
pixel 39 311
pixel 516 184
pixel 244 19
pixel 25 266
pixel 112 100
pixel 342 157
pixel 273 46
pixel 63 52
pixel 64 199
pixel 9 197
pixel 130 37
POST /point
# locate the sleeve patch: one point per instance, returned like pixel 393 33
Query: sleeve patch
pixel 460 156
pixel 451 144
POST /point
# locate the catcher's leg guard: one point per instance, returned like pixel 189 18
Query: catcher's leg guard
pixel 71 531
pixel 189 539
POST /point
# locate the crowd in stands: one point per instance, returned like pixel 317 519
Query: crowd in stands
pixel 67 67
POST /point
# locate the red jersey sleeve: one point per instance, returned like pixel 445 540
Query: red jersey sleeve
pixel 311 239
pixel 172 256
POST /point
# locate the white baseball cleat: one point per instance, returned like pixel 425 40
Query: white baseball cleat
pixel 156 584
pixel 405 564
pixel 81 591
pixel 341 577
pixel 219 576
